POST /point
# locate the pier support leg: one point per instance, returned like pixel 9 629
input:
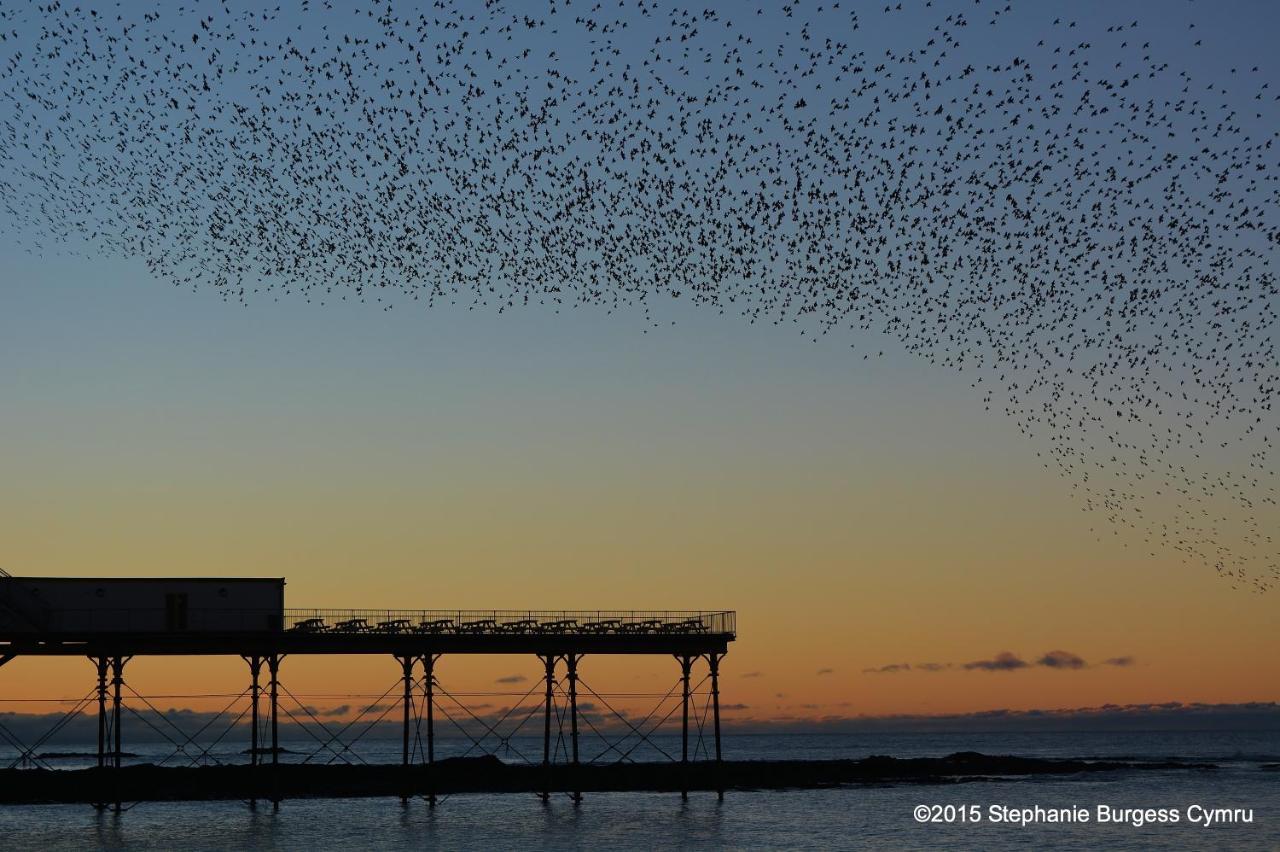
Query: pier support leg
pixel 273 686
pixel 429 686
pixel 686 663
pixel 255 694
pixel 406 666
pixel 713 662
pixel 550 662
pixel 571 662
pixel 101 663
pixel 117 680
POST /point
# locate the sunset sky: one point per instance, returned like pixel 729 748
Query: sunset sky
pixel 856 513
pixel 859 513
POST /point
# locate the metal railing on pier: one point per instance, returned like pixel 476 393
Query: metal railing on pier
pixel 458 622
pixel 511 622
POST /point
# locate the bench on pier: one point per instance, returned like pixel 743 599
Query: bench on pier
pixel 692 625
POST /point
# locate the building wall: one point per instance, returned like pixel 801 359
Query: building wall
pixel 93 605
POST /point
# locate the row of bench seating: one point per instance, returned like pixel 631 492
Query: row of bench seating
pixel 522 626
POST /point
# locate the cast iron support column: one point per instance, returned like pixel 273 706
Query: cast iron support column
pixel 429 686
pixel 101 663
pixel 550 662
pixel 406 665
pixel 273 670
pixel 713 661
pixel 686 663
pixel 117 680
pixel 571 661
pixel 255 693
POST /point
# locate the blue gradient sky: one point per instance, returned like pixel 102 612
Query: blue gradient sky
pixel 856 512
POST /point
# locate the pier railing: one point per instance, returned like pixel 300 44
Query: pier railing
pixel 490 622
pixel 511 622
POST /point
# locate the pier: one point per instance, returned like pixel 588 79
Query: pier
pixel 112 621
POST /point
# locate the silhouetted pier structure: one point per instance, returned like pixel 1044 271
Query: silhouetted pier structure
pixel 111 621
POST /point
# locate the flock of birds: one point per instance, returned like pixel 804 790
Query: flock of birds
pixel 1068 212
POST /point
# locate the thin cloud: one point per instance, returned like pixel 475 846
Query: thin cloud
pixel 892 668
pixel 515 678
pixel 1005 661
pixel 752 674
pixel 1061 660
pixel 1002 662
pixel 826 671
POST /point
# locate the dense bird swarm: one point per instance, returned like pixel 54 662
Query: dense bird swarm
pixel 1066 211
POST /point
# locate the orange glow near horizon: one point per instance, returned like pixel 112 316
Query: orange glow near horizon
pixel 808 627
pixel 855 514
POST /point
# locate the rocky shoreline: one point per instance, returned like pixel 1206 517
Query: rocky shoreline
pixel 148 782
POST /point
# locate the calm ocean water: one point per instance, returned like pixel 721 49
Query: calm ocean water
pixel 849 818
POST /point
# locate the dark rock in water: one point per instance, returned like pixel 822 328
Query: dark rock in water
pixel 480 761
pixel 1270 767
pixel 490 775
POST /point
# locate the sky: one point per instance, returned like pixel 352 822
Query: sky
pixel 855 513
pixel 859 514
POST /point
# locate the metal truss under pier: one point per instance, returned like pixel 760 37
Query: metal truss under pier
pixel 111 636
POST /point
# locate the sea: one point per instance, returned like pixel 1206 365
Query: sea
pixel 1233 805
